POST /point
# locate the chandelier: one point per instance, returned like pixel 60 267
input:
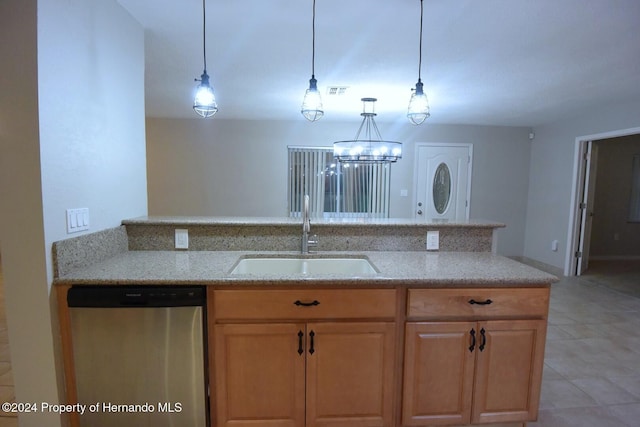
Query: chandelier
pixel 371 148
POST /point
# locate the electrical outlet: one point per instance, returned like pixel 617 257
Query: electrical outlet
pixel 433 240
pixel 182 238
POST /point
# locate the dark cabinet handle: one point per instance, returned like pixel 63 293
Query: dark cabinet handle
pixel 307 304
pixel 311 349
pixel 300 349
pixel 472 332
pixel 486 302
pixel 484 340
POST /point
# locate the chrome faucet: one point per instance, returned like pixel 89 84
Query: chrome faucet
pixel 306 228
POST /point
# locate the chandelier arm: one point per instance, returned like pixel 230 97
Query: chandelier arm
pixel 360 129
pixel 375 129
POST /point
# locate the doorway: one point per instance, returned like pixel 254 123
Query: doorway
pixel 442 182
pixel 582 199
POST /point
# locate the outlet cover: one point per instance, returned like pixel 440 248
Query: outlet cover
pixel 182 238
pixel 433 240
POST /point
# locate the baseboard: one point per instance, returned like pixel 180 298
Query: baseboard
pixel 547 268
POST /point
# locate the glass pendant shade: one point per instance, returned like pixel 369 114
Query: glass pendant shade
pixel 204 102
pixel 371 148
pixel 312 102
pixel 418 110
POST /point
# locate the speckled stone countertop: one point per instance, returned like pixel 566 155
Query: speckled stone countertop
pixel 410 268
pixel 273 221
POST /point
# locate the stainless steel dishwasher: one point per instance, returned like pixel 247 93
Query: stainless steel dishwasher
pixel 139 355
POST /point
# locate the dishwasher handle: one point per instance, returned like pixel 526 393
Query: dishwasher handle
pixel 135 296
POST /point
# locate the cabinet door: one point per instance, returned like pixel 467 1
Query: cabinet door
pixel 260 375
pixel 508 370
pixel 350 374
pixel 438 373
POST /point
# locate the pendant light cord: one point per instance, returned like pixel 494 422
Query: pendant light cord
pixel 313 41
pixel 204 34
pixel 420 53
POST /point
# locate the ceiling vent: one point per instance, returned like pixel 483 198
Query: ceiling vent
pixel 337 90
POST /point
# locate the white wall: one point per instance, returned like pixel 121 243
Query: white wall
pixel 72 135
pixel 91 97
pixel 551 175
pixel 239 168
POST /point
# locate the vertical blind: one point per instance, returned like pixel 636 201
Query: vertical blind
pixel 335 189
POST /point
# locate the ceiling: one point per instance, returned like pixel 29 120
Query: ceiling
pixel 489 62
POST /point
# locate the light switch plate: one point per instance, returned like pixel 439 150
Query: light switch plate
pixel 77 220
pixel 182 238
pixel 433 240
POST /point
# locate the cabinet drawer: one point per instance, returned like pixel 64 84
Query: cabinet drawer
pixel 305 304
pixel 480 303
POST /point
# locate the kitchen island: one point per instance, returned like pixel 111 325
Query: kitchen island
pixel 428 338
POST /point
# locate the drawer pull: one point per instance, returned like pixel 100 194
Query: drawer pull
pixel 487 302
pixel 472 332
pixel 306 304
pixel 484 340
pixel 300 350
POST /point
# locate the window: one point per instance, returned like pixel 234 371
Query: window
pixel 336 190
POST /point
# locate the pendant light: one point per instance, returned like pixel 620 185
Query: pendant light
pixel 371 148
pixel 418 110
pixel 204 102
pixel 312 103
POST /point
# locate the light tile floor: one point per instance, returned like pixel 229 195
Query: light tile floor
pixel 592 360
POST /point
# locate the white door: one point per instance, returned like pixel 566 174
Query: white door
pixel 586 206
pixel 442 182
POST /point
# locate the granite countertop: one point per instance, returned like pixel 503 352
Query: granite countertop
pixel 418 269
pixel 272 221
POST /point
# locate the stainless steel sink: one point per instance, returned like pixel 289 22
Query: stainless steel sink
pixel 303 265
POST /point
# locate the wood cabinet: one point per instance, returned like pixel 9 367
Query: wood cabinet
pixel 311 364
pixel 259 375
pixel 483 366
pixel 338 358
